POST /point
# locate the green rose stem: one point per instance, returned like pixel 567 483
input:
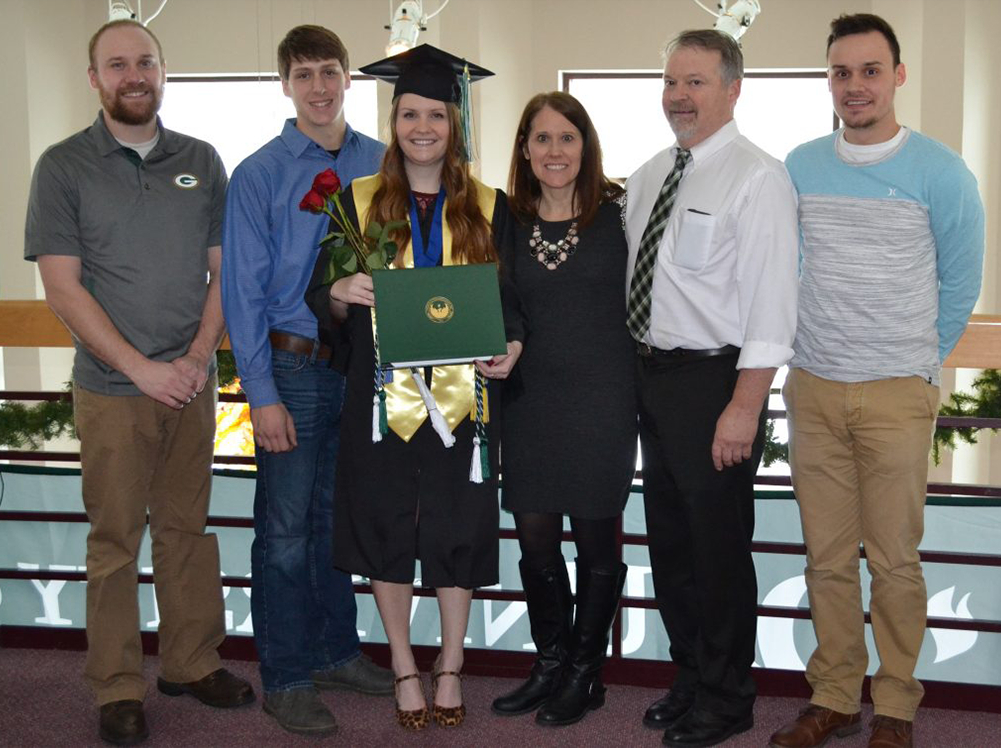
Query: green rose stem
pixel 353 237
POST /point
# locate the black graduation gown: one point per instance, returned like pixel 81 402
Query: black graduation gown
pixel 398 501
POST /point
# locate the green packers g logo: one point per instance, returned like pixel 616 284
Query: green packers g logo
pixel 186 181
pixel 439 309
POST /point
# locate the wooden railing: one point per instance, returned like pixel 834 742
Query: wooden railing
pixel 31 324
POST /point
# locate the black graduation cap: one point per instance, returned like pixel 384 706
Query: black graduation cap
pixel 426 71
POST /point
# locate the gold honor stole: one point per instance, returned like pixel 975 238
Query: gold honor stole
pixel 451 386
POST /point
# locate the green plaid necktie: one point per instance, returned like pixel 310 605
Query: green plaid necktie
pixel 638 319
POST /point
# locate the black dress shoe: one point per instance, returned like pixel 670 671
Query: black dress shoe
pixel 220 689
pixel 666 710
pixel 123 722
pixel 699 728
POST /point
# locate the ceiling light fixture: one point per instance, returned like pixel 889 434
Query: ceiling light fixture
pixel 121 10
pixel 406 23
pixel 735 19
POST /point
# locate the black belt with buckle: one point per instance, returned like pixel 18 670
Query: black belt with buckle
pixel 648 351
pixel 284 341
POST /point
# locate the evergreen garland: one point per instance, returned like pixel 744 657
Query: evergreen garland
pixel 775 451
pixel 983 402
pixel 227 368
pixel 30 426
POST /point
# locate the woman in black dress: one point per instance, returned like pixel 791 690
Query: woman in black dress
pixel 408 495
pixel 569 434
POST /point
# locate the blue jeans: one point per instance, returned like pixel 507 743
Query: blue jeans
pixel 303 609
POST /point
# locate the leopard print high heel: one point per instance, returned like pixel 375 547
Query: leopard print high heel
pixel 445 716
pixel 411 719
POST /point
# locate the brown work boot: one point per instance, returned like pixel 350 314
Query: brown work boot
pixel 123 722
pixel 220 689
pixel 890 732
pixel 814 726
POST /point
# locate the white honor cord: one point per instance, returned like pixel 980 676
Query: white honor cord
pixel 476 466
pixel 437 419
pixel 376 431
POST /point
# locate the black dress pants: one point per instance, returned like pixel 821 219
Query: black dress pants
pixel 699 524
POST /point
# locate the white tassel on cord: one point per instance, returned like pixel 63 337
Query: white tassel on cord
pixel 437 419
pixel 376 431
pixel 476 467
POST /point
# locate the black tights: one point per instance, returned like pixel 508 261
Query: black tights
pixel 540 535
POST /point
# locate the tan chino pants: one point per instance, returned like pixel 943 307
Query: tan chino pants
pixel 859 458
pixel 140 456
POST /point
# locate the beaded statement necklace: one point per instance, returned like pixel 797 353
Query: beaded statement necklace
pixel 553 254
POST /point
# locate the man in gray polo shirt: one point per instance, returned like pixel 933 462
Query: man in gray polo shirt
pixel 124 220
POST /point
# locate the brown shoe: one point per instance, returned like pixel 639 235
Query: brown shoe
pixel 411 719
pixel 445 716
pixel 890 732
pixel 123 722
pixel 814 726
pixel 220 689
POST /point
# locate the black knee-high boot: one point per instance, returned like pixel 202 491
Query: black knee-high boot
pixel 580 689
pixel 550 612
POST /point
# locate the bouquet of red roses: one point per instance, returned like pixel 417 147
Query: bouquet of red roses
pixel 348 250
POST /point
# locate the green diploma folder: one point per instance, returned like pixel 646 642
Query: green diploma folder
pixel 438 316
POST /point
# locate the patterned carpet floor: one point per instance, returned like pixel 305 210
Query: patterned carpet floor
pixel 44 702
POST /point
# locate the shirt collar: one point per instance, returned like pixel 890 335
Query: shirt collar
pixel 715 142
pixel 103 138
pixel 169 142
pixel 297 141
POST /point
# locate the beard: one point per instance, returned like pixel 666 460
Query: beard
pixel 132 112
pixel 861 122
pixel 683 129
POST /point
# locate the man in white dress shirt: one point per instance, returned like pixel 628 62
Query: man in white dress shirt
pixel 711 224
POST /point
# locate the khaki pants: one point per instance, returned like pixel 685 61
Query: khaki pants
pixel 859 458
pixel 138 455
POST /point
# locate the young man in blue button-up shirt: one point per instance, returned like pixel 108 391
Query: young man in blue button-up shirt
pixel 303 610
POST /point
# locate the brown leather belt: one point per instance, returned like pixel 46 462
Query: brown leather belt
pixel 284 341
pixel 648 351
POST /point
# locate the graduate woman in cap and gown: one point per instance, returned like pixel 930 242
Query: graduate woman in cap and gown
pixel 406 495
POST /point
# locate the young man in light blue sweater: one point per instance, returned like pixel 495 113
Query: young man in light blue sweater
pixel 892 231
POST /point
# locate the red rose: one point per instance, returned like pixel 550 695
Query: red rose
pixel 326 183
pixel 313 202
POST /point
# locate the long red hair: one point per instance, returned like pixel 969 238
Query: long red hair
pixel 472 241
